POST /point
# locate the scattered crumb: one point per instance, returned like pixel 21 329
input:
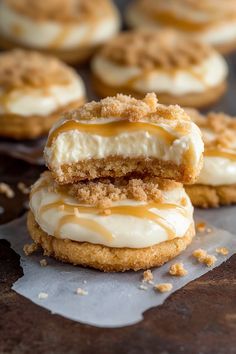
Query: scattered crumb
pixel 1 210
pixel 208 230
pixel 210 260
pixel 178 270
pixel 7 190
pixel 43 262
pixel 147 276
pixel 85 281
pixel 143 287
pixel 201 226
pixel 23 188
pixel 42 295
pixel 202 257
pixel 82 292
pixel 30 248
pixel 222 250
pixel 163 287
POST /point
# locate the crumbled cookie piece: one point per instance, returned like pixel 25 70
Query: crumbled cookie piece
pixel 150 49
pixel 82 292
pixel 23 188
pixel 128 108
pixel 201 226
pixel 178 270
pixel 102 193
pixel 43 262
pixel 147 276
pixel 30 248
pixel 221 125
pixel 6 190
pixel 202 257
pixel 19 68
pixel 42 295
pixel 163 287
pixel 222 250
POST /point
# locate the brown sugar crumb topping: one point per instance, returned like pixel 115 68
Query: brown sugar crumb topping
pixel 223 251
pixel 201 226
pixel 149 49
pixel 202 257
pixel 129 108
pixel 221 125
pixel 30 248
pixel 178 270
pixel 19 68
pixel 102 193
pixel 147 276
pixel 62 10
pixel 163 287
pixel 6 190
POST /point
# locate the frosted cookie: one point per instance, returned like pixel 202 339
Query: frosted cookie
pixel 179 69
pixel 121 135
pixel 69 29
pixel 34 91
pixel 111 225
pixel 216 184
pixel 212 21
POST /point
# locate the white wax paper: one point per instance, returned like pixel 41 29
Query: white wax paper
pixel 115 299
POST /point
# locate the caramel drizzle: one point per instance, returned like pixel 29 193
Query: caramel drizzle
pixel 141 211
pixel 110 129
pixel 60 38
pixel 220 153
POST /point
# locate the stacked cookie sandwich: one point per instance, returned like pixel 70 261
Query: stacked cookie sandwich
pixel 114 198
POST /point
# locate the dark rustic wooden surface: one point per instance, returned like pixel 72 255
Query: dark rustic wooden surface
pixel 200 318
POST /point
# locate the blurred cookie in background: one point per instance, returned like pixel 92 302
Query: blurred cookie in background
pixel 216 184
pixel 34 90
pixel 68 29
pixel 213 21
pixel 179 69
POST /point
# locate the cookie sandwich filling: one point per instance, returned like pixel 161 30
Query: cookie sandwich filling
pixel 211 21
pixel 36 85
pixel 170 63
pixel 115 213
pixel 58 24
pixel 219 166
pixel 119 128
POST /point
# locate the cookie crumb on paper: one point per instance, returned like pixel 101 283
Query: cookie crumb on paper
pixel 163 287
pixel 178 270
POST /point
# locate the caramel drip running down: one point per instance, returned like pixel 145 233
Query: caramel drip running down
pixel 141 211
pixel 220 153
pixel 60 38
pixel 111 129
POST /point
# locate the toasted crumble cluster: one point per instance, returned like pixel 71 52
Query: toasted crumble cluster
pixel 150 49
pixel 104 192
pixel 178 270
pixel 203 257
pixel 223 251
pixel 7 190
pixel 30 248
pixel 129 108
pixel 163 287
pixel 43 262
pixel 20 68
pixel 147 276
pixel 221 125
pixel 61 10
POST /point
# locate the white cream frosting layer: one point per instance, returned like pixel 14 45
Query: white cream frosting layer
pixel 217 171
pixel 217 34
pixel 126 230
pixel 41 101
pixel 195 79
pixel 55 35
pixel 73 146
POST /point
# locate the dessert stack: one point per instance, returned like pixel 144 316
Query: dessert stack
pixel 113 198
